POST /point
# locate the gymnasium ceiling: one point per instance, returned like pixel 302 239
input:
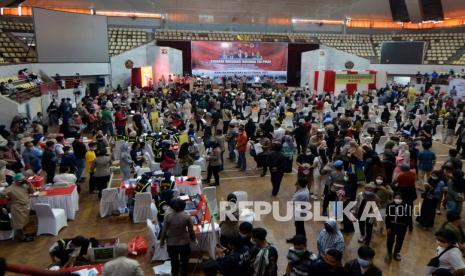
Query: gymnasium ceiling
pixel 221 11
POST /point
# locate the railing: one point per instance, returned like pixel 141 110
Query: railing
pixel 42 89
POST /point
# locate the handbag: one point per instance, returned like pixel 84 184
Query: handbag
pixel 434 262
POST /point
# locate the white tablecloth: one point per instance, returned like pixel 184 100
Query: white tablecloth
pixel 70 203
pixel 190 190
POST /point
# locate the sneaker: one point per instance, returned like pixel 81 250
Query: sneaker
pixel 314 197
pixel 397 257
pixel 361 240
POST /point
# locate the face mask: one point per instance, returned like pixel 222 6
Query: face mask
pixel 434 177
pixel 346 178
pixel 363 263
pixel 299 252
pixel 308 153
pixel 243 235
pixel 379 181
pixel 397 201
pixel 253 242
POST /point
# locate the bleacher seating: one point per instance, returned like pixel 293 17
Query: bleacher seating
pixel 12 49
pixel 359 45
pixel 123 39
pixel 13 26
pixel 460 61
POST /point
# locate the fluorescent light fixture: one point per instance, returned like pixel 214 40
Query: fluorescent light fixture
pixel 317 21
pixel 129 14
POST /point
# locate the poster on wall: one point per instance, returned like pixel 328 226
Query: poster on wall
pixel 256 61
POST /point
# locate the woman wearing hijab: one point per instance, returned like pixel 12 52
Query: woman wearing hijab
pixel 330 238
pixel 433 190
pixel 288 152
pixel 125 161
pixel 366 226
pixel 404 153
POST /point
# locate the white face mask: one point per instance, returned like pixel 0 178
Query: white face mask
pixel 379 181
pixel 397 201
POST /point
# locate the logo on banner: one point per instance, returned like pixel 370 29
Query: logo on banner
pixel 164 51
pixel 129 64
pixel 349 65
pixel 355 78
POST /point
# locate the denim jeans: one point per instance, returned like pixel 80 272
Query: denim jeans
pixel 80 163
pixel 241 162
pixel 232 154
pixel 454 207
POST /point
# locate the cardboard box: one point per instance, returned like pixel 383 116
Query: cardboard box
pixel 106 250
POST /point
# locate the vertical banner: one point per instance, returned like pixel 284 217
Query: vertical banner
pixel 330 81
pixel 351 87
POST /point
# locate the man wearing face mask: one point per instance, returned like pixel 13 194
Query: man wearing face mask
pixel 330 238
pixel 366 226
pixel 18 195
pixel 336 181
pixel 300 260
pixel 364 264
pixel 397 220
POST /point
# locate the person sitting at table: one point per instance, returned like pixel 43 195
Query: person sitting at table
pixel 6 176
pixel 137 155
pixel 177 233
pixel 18 195
pixel 65 177
pixel 68 159
pixel 68 250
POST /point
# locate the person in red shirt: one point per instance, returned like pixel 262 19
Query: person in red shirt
pixel 241 146
pixel 120 121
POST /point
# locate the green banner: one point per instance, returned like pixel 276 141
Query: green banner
pixel 355 78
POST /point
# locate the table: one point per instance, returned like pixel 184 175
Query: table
pixel 66 198
pixel 191 187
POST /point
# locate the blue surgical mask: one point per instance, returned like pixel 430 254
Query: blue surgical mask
pixel 363 263
pixel 299 252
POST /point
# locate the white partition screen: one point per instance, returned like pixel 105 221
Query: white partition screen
pixel 70 37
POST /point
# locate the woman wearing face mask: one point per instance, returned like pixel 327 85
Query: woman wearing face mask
pixel 384 193
pixel 397 221
pixel 431 197
pixel 363 265
pixel 448 256
pixel 304 166
pixel 364 200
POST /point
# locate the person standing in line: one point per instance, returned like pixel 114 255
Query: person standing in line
pixel 426 161
pixel 300 197
pixel 214 163
pixel 276 162
pixel 125 161
pixel 363 265
pixel 79 150
pixel 264 254
pixel 49 161
pixel 90 157
pixel 101 166
pixel 241 146
pixel 397 221
pixel 18 195
pixel 220 139
pixel 178 233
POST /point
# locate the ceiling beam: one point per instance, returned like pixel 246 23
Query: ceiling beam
pixel 414 10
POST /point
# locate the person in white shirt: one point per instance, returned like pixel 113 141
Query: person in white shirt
pixel 279 133
pixel 263 103
pixel 64 176
pixel 449 255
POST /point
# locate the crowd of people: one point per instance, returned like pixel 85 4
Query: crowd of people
pixel 336 141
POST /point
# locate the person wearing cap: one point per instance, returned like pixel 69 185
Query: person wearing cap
pixel 20 202
pixel 300 259
pixel 366 227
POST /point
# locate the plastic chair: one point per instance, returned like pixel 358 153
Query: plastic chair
pixel 144 208
pixel 195 170
pixel 109 202
pixel 210 194
pixel 157 253
pixel 241 195
pixel 50 220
